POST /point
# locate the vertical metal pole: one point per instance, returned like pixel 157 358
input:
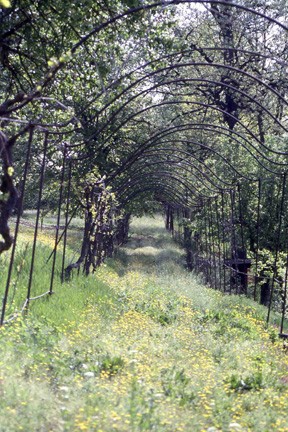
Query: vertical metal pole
pixel 243 279
pixel 212 244
pixel 233 242
pixel 19 214
pixel 58 219
pixel 219 242
pixel 223 239
pixel 241 217
pixel 66 220
pixel 209 242
pixel 277 247
pixel 37 219
pixel 257 238
pixel 207 263
pixel 285 297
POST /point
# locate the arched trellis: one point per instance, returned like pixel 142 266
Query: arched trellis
pixel 203 80
pixel 158 176
pixel 185 169
pixel 21 100
pixel 161 150
pixel 183 65
pixel 201 104
pixel 155 141
pixel 156 146
pixel 166 192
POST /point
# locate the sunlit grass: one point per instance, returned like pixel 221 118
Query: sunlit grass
pixel 143 346
pixel 42 266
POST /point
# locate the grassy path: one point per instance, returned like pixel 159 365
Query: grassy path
pixel 142 346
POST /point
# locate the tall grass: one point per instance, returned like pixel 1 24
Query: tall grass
pixel 42 266
pixel 142 345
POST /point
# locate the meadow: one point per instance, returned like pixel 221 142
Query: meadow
pixel 141 345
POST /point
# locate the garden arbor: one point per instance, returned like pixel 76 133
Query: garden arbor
pixel 180 103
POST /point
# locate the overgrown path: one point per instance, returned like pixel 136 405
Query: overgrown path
pixel 143 346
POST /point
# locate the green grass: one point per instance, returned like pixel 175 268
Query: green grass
pixel 42 269
pixel 50 219
pixel 142 346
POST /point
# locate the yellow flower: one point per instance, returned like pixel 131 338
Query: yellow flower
pixel 10 169
pixel 5 3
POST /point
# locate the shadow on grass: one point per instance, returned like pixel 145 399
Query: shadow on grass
pixel 148 250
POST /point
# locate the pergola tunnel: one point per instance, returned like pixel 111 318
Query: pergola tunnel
pixel 178 107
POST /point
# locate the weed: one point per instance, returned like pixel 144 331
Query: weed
pixel 273 334
pixel 111 365
pixel 252 382
pixel 176 384
pixel 164 313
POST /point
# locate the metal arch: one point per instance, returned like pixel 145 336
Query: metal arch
pixel 208 126
pixel 236 69
pixel 205 105
pixel 222 84
pixel 170 194
pixel 242 92
pixel 284 164
pixel 231 166
pixel 160 175
pixel 167 149
pixel 53 71
pixel 180 65
pixel 154 186
pixel 167 56
pixel 172 3
pixel 154 145
pixel 191 126
pixel 142 167
pixel 226 161
pixel 169 175
pixel 245 139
